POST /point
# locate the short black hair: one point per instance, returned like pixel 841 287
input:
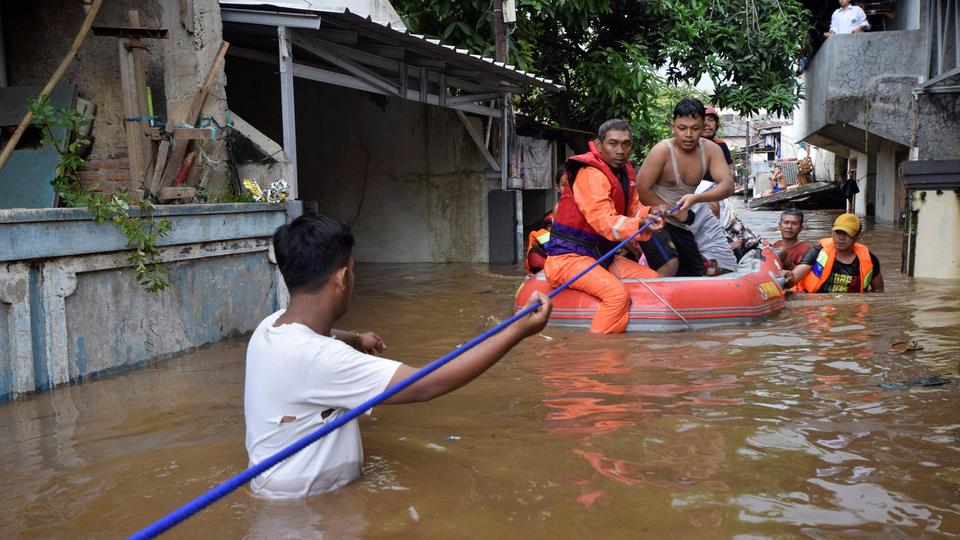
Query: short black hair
pixel 793 212
pixel 558 179
pixel 310 249
pixel 614 124
pixel 691 107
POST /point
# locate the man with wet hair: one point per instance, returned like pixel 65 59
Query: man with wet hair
pixel 838 264
pixel 790 247
pixel 669 177
pixel 711 126
pixel 301 373
pixel 599 209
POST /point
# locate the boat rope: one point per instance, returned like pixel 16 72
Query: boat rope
pixel 677 313
pixel 177 516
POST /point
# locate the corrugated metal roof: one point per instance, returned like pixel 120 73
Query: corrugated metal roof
pixel 379 10
pixel 420 44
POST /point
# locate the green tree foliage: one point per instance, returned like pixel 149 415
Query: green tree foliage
pixel 611 54
pixel 139 227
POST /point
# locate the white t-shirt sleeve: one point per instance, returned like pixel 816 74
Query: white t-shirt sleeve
pixel 343 377
pixel 861 19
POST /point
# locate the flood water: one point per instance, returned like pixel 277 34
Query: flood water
pixel 778 430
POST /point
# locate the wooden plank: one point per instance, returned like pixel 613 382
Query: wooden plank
pixel 145 147
pixel 178 193
pixel 152 183
pixel 180 150
pixel 131 109
pixel 193 134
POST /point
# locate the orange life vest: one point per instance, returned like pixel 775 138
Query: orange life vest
pixel 828 255
pixel 571 233
pixel 536 253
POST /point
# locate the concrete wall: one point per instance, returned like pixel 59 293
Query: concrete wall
pixel 938 234
pixel 939 133
pixel 70 311
pixel 406 175
pixel 861 99
pixel 863 82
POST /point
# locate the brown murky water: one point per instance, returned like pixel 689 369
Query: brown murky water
pixel 778 430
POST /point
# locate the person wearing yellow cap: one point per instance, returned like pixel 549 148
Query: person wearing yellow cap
pixel 838 264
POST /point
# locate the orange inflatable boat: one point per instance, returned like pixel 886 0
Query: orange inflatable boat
pixel 751 293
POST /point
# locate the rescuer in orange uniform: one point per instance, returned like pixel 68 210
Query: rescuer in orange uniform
pixel 599 209
pixel 838 264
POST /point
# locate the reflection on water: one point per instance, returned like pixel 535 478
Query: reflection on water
pixel 775 430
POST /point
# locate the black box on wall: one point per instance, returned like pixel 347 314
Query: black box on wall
pixel 502 220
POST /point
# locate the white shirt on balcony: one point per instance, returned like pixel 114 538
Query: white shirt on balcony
pixel 845 21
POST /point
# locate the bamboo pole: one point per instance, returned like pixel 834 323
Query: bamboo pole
pixel 54 79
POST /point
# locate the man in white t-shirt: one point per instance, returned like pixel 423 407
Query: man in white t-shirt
pixel 847 19
pixel 302 374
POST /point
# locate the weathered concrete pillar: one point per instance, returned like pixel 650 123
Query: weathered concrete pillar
pixel 16 342
pixel 58 281
pixel 886 203
pixel 864 181
pixel 824 164
pixel 195 38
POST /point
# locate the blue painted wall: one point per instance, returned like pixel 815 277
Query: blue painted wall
pixel 221 285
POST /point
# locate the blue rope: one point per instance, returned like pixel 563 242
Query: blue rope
pixel 174 518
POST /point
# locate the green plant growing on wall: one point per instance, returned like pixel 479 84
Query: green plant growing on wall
pixel 62 128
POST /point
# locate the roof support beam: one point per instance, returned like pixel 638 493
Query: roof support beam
pixel 505 107
pixel 387 51
pixel 442 89
pixel 424 80
pixel 387 86
pixel 287 108
pixel 504 141
pixel 365 58
pixel 340 79
pixel 471 98
pixel 347 37
pixel 478 140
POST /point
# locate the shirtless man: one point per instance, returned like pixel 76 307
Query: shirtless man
pixel 669 177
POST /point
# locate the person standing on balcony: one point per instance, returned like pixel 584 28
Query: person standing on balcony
pixel 847 19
